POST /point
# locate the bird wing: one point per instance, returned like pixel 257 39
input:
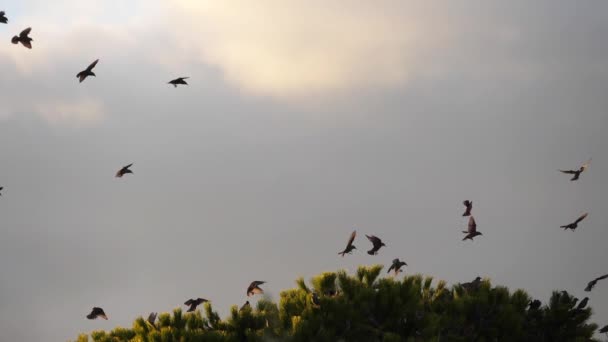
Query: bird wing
pixel 598 278
pixel 27 44
pixel 568 171
pixel 472 225
pixel 391 268
pixel 374 240
pixel 25 32
pixel 581 218
pixel 90 67
pixel 128 166
pixel 351 239
pixel 183 78
pixel 189 302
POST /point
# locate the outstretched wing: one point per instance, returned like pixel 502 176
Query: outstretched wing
pixel 581 218
pixel 90 67
pixel 472 225
pixel 25 32
pixel 568 171
pixel 351 239
pixel 602 277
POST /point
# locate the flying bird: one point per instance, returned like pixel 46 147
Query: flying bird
pixel 376 242
pixel 349 246
pixel 472 230
pixel 179 80
pixel 124 171
pixel 583 303
pixel 574 224
pixel 469 205
pixel 23 38
pixel 1 187
pixel 578 172
pixel 604 330
pixel 193 303
pixel 254 288
pixel 87 72
pixel 3 18
pixel 396 266
pixel 592 283
pixel 245 306
pixel 97 312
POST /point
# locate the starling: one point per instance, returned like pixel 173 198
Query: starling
pixel 578 172
pixel 180 80
pixel 349 246
pixel 376 242
pixel 469 205
pixel 23 38
pixel 152 318
pixel 87 72
pixel 592 283
pixel 245 306
pixel 583 303
pixel 472 231
pixel 97 312
pixel 3 18
pixel 193 303
pixel 396 266
pixel 124 171
pixel 254 289
pixel 574 224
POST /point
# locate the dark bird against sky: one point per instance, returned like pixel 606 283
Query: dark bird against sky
pixel 124 170
pixel 592 283
pixel 152 318
pixel 574 224
pixel 87 72
pixel 396 266
pixel 472 230
pixel 193 303
pixel 578 172
pixel 179 80
pixel 254 288
pixel 469 205
pixel 376 242
pixel 97 312
pixel 23 38
pixel 1 188
pixel 3 18
pixel 349 246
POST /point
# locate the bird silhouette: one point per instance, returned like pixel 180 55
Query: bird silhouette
pixel 124 170
pixel 396 266
pixel 592 283
pixel 179 80
pixel 604 330
pixel 87 72
pixel 1 188
pixel 583 303
pixel 3 18
pixel 376 242
pixel 535 304
pixel 245 306
pixel 574 224
pixel 152 318
pixel 97 312
pixel 473 285
pixel 193 303
pixel 578 172
pixel 469 205
pixel 349 246
pixel 23 38
pixel 472 230
pixel 254 288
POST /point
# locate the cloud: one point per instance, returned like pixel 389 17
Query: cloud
pixel 82 111
pixel 287 48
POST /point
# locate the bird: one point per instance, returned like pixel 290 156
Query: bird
pixel 254 288
pixel 583 303
pixel 97 312
pixel 152 318
pixel 376 242
pixel 578 172
pixel 179 80
pixel 349 246
pixel 592 283
pixel 124 170
pixel 87 72
pixel 535 304
pixel 3 18
pixel 469 205
pixel 193 303
pixel 604 330
pixel 23 38
pixel 574 224
pixel 1 187
pixel 396 266
pixel 245 306
pixel 472 230
pixel 473 285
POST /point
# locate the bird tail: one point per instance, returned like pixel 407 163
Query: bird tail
pixel 341 253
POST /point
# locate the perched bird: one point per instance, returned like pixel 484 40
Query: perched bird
pixel 193 303
pixel 245 306
pixel 23 38
pixel 180 80
pixel 574 224
pixel 473 285
pixel 472 230
pixel 469 205
pixel 152 318
pixel 254 288
pixel 578 172
pixel 124 170
pixel 535 304
pixel 349 246
pixel 592 283
pixel 97 312
pixel 87 72
pixel 3 18
pixel 376 242
pixel 396 266
pixel 583 303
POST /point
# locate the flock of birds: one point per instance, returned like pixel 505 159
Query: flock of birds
pixel 377 243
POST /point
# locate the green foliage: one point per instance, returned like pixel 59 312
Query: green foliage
pixel 365 307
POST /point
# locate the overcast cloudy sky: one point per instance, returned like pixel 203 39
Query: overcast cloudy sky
pixel 303 121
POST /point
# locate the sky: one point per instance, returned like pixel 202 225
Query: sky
pixel 302 121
